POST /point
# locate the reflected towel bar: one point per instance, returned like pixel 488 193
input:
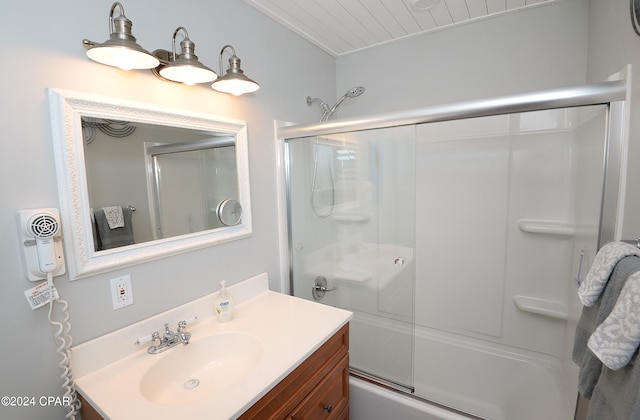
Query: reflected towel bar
pixel 635 242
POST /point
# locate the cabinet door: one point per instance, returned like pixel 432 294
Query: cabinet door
pixel 330 398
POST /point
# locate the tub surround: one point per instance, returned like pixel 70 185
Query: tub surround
pixel 109 369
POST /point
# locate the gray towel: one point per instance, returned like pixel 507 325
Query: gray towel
pixel 609 391
pixel 616 340
pixel 617 394
pixel 112 238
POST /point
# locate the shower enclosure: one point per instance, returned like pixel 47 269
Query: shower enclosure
pixel 208 166
pixel 457 236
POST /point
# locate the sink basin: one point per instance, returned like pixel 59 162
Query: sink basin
pixel 189 373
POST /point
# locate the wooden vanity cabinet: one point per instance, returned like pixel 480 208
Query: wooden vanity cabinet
pixel 317 389
pixel 87 412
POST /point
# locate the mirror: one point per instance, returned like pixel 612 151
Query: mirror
pixel 139 182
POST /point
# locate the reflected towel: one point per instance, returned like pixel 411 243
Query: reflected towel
pixel 617 338
pixel 112 238
pixel 115 216
pixel 602 267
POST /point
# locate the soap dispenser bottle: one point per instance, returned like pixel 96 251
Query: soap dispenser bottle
pixel 223 304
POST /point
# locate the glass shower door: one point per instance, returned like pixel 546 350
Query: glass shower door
pixel 352 217
pixel 509 209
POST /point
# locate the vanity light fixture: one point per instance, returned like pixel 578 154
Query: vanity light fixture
pixel 121 49
pixel 234 82
pixel 185 67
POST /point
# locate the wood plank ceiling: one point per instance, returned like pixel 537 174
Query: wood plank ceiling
pixel 344 26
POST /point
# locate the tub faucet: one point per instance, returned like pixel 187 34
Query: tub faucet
pixel 169 338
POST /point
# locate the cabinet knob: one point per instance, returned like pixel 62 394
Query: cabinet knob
pixel 328 408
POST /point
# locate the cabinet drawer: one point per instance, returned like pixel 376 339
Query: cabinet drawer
pixel 330 397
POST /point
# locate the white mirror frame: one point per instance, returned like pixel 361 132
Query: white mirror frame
pixel 67 108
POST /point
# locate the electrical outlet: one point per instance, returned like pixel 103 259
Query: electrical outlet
pixel 121 292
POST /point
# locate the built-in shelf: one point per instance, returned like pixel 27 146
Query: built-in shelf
pixel 548 227
pixel 544 307
pixel 354 276
pixel 351 217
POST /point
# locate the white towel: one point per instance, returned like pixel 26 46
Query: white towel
pixel 115 217
pixel 615 341
pixel 603 264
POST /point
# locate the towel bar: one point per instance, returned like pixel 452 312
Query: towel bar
pixel 635 242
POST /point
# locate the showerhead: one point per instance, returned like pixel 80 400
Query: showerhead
pixel 354 92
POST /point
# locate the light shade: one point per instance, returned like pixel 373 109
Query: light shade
pixel 121 49
pixel 234 82
pixel 185 68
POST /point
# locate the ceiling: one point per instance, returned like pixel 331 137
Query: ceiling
pixel 341 27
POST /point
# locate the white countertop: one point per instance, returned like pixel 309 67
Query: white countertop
pixel 109 369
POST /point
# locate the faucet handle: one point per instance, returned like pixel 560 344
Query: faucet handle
pixel 183 324
pixel 143 340
pixel 155 337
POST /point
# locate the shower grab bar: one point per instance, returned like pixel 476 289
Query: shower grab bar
pixel 591 94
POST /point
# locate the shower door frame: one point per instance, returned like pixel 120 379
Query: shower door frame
pixel 614 94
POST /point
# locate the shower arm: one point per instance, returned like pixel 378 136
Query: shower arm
pixel 323 105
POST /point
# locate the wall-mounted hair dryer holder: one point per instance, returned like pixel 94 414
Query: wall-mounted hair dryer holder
pixel 41 242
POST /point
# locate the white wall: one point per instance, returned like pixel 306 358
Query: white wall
pixel 538 48
pixel 43 41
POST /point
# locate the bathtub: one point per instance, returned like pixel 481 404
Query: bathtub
pixel 373 402
pixel 488 380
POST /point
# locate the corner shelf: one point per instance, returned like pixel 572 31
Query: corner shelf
pixel 544 307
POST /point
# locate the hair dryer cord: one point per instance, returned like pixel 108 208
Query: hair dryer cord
pixel 63 342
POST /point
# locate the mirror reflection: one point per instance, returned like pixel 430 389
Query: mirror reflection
pixel 147 182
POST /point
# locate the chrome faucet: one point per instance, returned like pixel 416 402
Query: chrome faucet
pixel 169 338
